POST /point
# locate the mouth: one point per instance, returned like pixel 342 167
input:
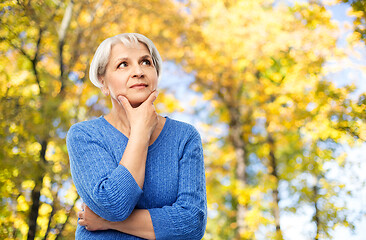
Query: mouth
pixel 139 85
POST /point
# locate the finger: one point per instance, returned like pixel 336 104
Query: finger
pixel 152 97
pixel 82 222
pixel 83 206
pixel 124 102
pixel 81 214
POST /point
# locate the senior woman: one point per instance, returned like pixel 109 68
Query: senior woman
pixel 140 175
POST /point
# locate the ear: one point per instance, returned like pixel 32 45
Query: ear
pixel 104 88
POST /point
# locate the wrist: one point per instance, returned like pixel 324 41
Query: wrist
pixel 118 226
pixel 141 136
pixel 105 224
pixel 111 225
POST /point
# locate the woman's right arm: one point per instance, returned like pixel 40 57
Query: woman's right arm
pixel 142 121
pixel 107 188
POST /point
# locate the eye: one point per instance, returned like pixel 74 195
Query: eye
pixel 146 62
pixel 122 65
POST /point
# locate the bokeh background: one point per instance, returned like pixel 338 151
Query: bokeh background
pixel 276 88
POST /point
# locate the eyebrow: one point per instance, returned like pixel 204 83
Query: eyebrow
pixel 121 59
pixel 145 57
pixel 126 58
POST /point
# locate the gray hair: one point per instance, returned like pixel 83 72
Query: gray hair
pixel 101 56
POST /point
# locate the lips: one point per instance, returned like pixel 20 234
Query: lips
pixel 139 85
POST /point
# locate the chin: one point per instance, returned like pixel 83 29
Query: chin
pixel 135 102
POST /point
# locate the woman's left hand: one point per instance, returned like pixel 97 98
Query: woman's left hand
pixel 91 221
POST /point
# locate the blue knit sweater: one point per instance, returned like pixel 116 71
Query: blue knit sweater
pixel 174 190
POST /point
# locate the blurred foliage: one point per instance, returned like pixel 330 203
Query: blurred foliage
pixel 46 48
pixel 359 13
pixel 259 64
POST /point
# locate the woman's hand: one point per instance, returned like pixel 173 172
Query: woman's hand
pixel 143 119
pixel 91 221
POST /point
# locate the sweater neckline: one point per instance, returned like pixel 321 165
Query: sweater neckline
pixel 157 140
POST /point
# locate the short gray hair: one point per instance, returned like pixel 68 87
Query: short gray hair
pixel 101 56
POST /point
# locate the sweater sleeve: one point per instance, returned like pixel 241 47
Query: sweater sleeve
pixel 106 187
pixel 187 217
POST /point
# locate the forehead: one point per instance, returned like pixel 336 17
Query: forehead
pixel 120 50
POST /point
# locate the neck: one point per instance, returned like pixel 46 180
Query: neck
pixel 118 118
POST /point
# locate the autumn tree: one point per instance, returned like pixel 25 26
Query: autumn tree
pixel 261 65
pixel 46 48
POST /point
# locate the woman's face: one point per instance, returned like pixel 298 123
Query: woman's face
pixel 130 72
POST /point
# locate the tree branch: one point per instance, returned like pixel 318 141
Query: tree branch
pixel 19 48
pixel 53 206
pixel 35 60
pixel 61 40
pixel 72 208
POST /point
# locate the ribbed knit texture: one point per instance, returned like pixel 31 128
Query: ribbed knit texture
pixel 174 190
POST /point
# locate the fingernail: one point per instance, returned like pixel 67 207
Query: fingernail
pixel 120 98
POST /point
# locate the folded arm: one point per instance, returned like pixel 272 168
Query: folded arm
pixel 138 223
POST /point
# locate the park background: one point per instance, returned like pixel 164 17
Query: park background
pixel 276 88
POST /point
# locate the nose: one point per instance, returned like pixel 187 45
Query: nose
pixel 137 72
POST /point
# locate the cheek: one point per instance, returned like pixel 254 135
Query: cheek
pixel 155 84
pixel 117 85
pixel 154 79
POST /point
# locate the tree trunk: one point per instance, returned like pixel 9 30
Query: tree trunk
pixel 275 197
pixel 240 172
pixel 36 193
pixel 236 137
pixel 33 214
pixel 316 214
pixel 62 35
